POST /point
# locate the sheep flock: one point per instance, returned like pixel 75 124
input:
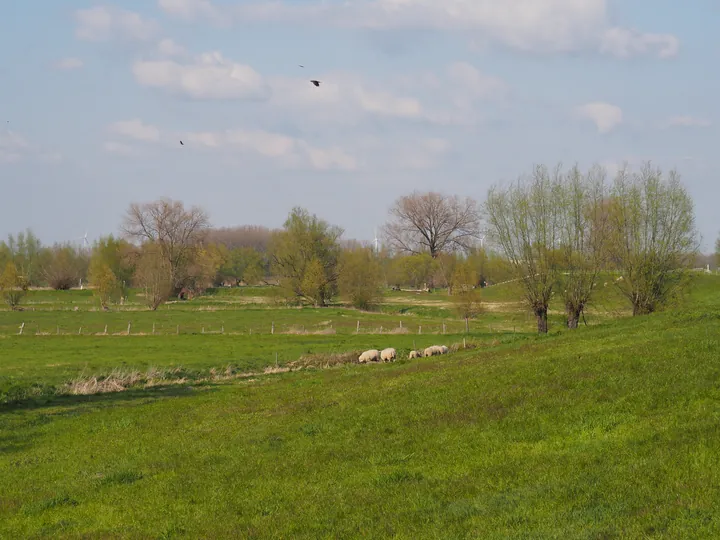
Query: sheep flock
pixel 390 354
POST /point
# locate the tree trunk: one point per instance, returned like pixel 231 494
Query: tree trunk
pixel 573 319
pixel 542 320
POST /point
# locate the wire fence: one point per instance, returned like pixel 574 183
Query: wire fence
pixel 164 329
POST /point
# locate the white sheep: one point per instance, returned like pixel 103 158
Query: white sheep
pixel 413 354
pixel 373 355
pixel 432 351
pixel 444 349
pixel 388 355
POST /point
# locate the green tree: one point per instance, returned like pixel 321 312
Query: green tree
pixel 445 265
pixel 416 270
pixel 242 264
pixel 466 297
pixel 13 286
pixel 104 281
pixel 26 251
pixel 116 253
pixel 306 239
pixel 583 243
pixel 153 274
pixel 361 277
pixel 314 282
pixel 526 221
pixel 654 239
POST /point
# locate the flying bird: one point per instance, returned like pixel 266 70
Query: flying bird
pixel 182 143
pixel 301 65
pixel 316 83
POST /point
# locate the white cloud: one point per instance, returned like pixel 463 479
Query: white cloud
pixel 135 129
pixel 210 76
pixel 118 148
pixel 384 103
pixel 13 147
pixel 69 63
pixel 104 23
pixel 688 121
pixel 287 151
pixel 474 83
pixel 450 97
pixel 167 47
pixel 624 42
pixel 291 151
pixel 528 25
pixel 605 116
pixel 341 98
pixel 191 9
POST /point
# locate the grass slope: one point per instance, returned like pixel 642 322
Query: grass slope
pixel 607 432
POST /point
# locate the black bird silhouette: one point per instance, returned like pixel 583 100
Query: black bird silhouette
pixel 301 65
pixel 316 83
pixel 182 143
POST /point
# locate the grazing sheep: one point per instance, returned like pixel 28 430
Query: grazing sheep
pixel 373 355
pixel 388 355
pixel 413 354
pixel 432 351
pixel 444 349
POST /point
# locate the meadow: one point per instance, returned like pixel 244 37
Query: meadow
pixel 608 431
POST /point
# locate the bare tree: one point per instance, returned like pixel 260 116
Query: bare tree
pixel 525 220
pixel 245 236
pixel 177 232
pixel 63 266
pixel 432 223
pixel 654 236
pixel 583 241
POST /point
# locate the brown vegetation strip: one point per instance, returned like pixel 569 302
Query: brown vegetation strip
pixel 119 380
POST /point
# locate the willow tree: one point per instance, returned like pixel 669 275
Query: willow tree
pixel 525 220
pixel 583 237
pixel 654 237
pixel 306 254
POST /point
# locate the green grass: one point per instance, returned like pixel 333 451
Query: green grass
pixel 610 431
pixel 39 366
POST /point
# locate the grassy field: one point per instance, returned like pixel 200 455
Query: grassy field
pixel 610 431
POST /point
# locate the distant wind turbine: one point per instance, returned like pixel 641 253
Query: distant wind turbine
pixel 84 239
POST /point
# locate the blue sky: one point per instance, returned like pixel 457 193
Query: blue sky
pixel 417 94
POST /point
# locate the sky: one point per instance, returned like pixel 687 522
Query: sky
pixel 451 96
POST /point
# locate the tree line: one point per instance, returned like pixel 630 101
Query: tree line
pixel 553 231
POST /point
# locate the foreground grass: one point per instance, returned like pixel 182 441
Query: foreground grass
pixel 612 431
